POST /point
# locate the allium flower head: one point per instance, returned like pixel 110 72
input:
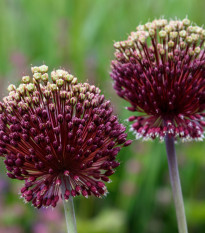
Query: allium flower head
pixel 59 133
pixel 160 70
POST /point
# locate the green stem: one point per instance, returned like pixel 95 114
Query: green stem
pixel 69 211
pixel 176 185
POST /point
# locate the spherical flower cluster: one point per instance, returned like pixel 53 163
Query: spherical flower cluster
pixel 59 135
pixel 160 70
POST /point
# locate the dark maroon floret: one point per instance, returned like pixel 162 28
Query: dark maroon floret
pixel 59 134
pixel 160 71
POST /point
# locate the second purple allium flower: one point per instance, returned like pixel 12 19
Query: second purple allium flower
pixel 160 70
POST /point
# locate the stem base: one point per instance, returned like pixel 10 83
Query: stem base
pixel 69 210
pixel 176 185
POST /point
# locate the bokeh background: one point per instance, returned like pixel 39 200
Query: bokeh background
pixel 78 35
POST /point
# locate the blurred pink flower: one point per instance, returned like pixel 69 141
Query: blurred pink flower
pixel 40 228
pixel 51 215
pixel 13 229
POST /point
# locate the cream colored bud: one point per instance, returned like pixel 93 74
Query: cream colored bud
pixel 197 29
pixel 17 97
pixel 163 22
pixel 81 96
pixel 162 51
pixel 47 94
pixel 186 22
pixel 43 69
pixel 21 89
pixel 12 93
pixel 25 79
pixel 73 101
pixel 9 109
pixel 168 28
pixel 189 39
pixel 97 90
pixel 173 24
pixel 54 76
pixel 142 39
pixel 53 87
pixel 24 106
pixel 173 35
pixel 59 83
pixel 92 88
pixel 129 44
pixel 127 52
pixel 134 36
pixel 87 86
pixel 170 56
pixel 11 87
pixel 197 50
pixel 152 32
pixel 94 102
pixel 75 88
pixel 140 27
pixel 28 100
pixel 117 45
pixel 30 87
pixel 74 81
pixel 65 73
pixel 82 90
pixel 60 73
pixel 149 25
pixel 182 45
pixel 123 44
pixel 69 95
pixel 86 104
pixel 90 96
pixel 183 33
pixel 63 94
pixel 35 100
pixel 194 37
pixel 35 69
pixel 37 76
pixel 159 46
pixel 203 34
pixel 52 107
pixel 191 52
pixel 162 34
pixel 69 77
pixel 44 77
pixel 191 29
pixel 171 44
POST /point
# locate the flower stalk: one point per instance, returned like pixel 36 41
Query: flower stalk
pixel 69 211
pixel 176 185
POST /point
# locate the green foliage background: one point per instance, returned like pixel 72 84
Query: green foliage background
pixel 78 35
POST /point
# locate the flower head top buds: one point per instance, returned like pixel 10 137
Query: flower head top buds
pixel 160 70
pixel 59 133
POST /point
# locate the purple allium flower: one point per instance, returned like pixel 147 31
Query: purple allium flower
pixel 160 70
pixel 59 134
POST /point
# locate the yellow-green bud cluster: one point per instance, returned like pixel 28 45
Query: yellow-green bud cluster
pixel 171 35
